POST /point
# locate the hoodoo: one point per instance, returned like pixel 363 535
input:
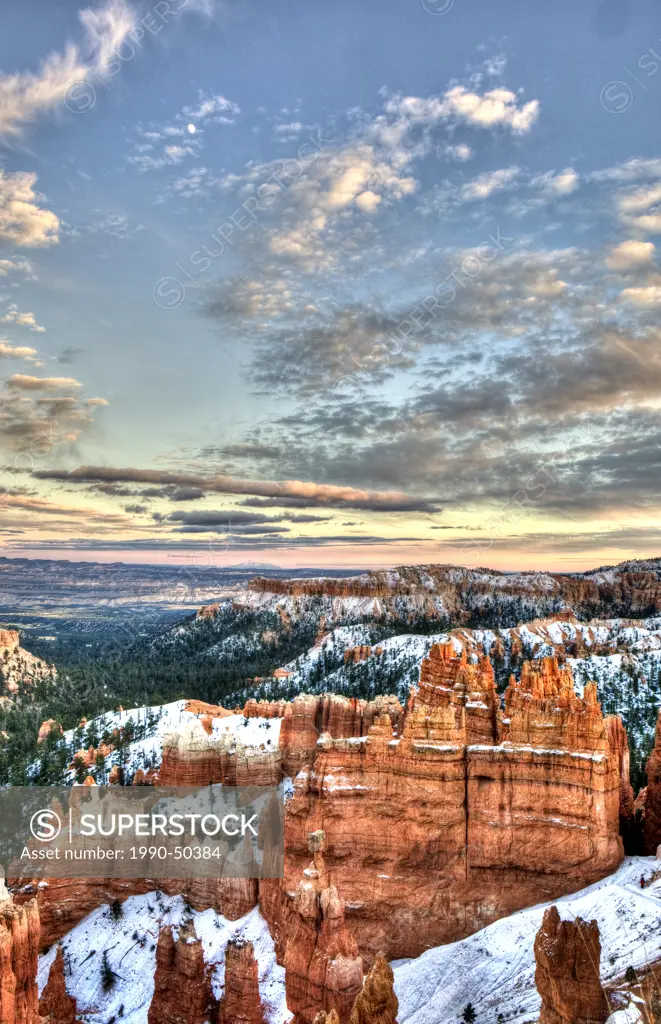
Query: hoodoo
pixel 567 956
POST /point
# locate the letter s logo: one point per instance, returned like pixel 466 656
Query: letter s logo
pixel 45 825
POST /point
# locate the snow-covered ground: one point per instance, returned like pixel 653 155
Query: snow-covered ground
pixel 495 968
pixel 129 944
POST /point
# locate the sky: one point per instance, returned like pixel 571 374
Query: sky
pixel 331 284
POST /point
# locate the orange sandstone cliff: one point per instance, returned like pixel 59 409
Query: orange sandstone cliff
pixel 19 951
pixel 467 814
pixel 652 811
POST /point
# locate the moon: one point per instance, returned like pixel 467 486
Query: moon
pixel 191 128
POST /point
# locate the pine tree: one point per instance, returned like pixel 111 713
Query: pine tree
pixel 469 1016
pixel 108 976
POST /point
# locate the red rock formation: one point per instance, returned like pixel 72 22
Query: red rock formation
pixel 56 1005
pixel 377 1002
pixel 567 954
pixel 241 1003
pixel 193 757
pixel 66 901
pixel 361 653
pixel 624 591
pixel 432 835
pixel 652 812
pixel 200 707
pixel 208 611
pixel 182 989
pixel 449 681
pixel 46 728
pixel 19 951
pixel 264 708
pixel 322 964
pixel 619 745
pixel 8 640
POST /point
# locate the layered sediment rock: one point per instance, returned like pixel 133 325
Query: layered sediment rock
pixel 625 590
pixel 193 757
pixel 56 1006
pixel 241 1003
pixel 619 745
pixel 19 951
pixel 469 814
pixel 567 955
pixel 66 901
pixel 182 988
pixel 652 811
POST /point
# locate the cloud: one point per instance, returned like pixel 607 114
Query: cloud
pixel 22 221
pixel 17 351
pixel 48 410
pixel 648 296
pixel 640 208
pixel 117 225
pixel 460 152
pixel 311 493
pixel 494 108
pixel 313 350
pixel 557 185
pixel 14 316
pixel 237 541
pixel 213 108
pixel 486 184
pixel 21 265
pixel 169 144
pixel 630 255
pixel 27 383
pixel 24 96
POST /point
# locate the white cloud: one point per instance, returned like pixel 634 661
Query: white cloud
pixel 564 183
pixel 24 382
pixel 640 208
pixel 217 109
pixel 18 265
pixel 14 316
pixel 461 152
pixel 638 169
pixel 496 107
pixel 22 220
pixel 486 184
pixel 647 296
pixel 26 95
pixel 630 255
pixel 17 351
pixel 368 201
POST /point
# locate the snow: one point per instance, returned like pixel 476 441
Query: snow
pixel 174 718
pixel 130 944
pixel 494 969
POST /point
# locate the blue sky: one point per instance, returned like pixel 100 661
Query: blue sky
pixel 330 284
